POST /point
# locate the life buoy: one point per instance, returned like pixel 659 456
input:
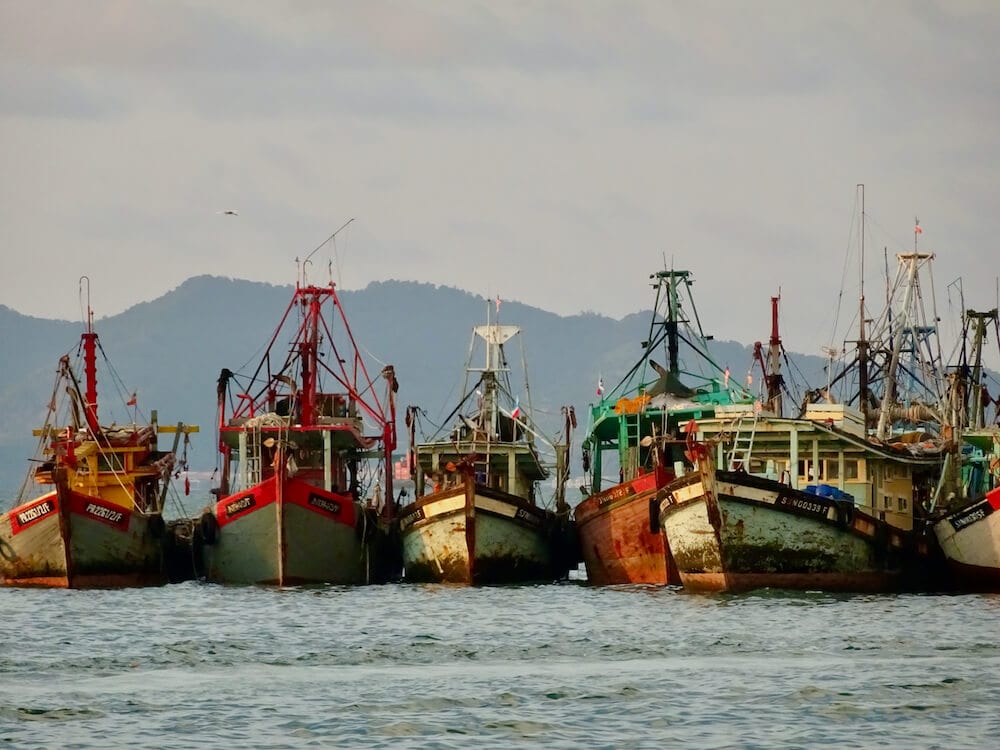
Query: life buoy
pixel 209 528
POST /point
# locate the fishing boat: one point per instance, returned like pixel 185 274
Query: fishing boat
pixel 306 445
pixel 635 428
pixel 821 501
pixel 99 521
pixel 967 525
pixel 477 516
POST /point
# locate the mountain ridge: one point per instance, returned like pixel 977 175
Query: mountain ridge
pixel 170 351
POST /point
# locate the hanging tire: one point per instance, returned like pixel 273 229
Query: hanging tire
pixel 209 528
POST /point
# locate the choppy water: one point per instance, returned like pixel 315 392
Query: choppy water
pixel 562 666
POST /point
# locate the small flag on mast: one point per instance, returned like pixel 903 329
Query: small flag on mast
pixel 498 301
pixel 916 228
pixel 600 386
pixel 132 400
pixel 517 409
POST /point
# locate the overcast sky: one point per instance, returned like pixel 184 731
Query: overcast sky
pixel 554 153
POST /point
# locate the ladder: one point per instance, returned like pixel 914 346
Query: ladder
pixel 739 456
pixel 631 463
pixel 253 459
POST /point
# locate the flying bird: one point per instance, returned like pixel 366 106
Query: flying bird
pixel 229 212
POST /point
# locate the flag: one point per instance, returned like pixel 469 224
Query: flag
pixel 600 386
pixel 517 409
pixel 498 304
pixel 725 378
pixel 917 229
pixel 132 400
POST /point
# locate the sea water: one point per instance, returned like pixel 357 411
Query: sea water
pixel 557 666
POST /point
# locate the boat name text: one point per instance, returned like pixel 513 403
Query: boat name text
pixel 330 506
pixel 970 516
pixel 105 514
pixel 800 503
pixel 35 512
pixel 411 518
pixel 239 505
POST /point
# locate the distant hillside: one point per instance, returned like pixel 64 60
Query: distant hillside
pixel 171 351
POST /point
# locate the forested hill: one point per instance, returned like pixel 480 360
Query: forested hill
pixel 172 349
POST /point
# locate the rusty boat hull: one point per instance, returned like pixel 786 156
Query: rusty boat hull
pixel 67 539
pixel 472 534
pixel 970 540
pixel 289 533
pixel 619 536
pixel 731 531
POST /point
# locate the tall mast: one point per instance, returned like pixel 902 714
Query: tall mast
pixel 976 416
pixel 90 366
pixel 905 325
pixel 307 349
pixel 863 386
pixel 773 375
pixel 672 343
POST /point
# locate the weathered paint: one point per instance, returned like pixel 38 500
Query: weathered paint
pixel 322 537
pixel 507 540
pixel 757 533
pixel 86 543
pixel 617 542
pixel 970 540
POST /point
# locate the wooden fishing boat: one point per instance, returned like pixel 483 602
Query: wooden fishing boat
pixel 970 540
pixel 811 504
pixel 479 520
pixel 817 502
pixel 100 522
pixel 306 447
pixel 635 428
pixel 967 525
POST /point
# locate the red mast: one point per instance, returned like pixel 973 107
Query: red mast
pixel 90 367
pixel 308 348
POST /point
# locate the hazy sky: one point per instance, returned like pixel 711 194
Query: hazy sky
pixel 554 153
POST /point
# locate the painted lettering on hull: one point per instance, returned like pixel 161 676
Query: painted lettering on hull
pixel 22 519
pixel 324 505
pixel 239 506
pixel 968 517
pixel 411 518
pixel 114 517
pixel 803 505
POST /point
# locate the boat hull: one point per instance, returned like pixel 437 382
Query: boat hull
pixel 66 539
pixel 730 531
pixel 470 534
pixel 970 540
pixel 289 534
pixel 620 540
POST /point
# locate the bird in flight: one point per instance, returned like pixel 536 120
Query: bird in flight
pixel 229 212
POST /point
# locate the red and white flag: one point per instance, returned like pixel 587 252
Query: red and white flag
pixel 132 400
pixel 916 228
pixel 600 386
pixel 517 409
pixel 498 301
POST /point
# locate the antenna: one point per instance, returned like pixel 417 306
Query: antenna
pixel 320 245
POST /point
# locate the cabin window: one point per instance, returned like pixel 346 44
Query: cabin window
pixel 832 470
pixel 851 469
pixel 901 504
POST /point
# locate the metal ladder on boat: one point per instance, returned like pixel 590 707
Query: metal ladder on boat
pixel 632 445
pixel 253 456
pixel 739 456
